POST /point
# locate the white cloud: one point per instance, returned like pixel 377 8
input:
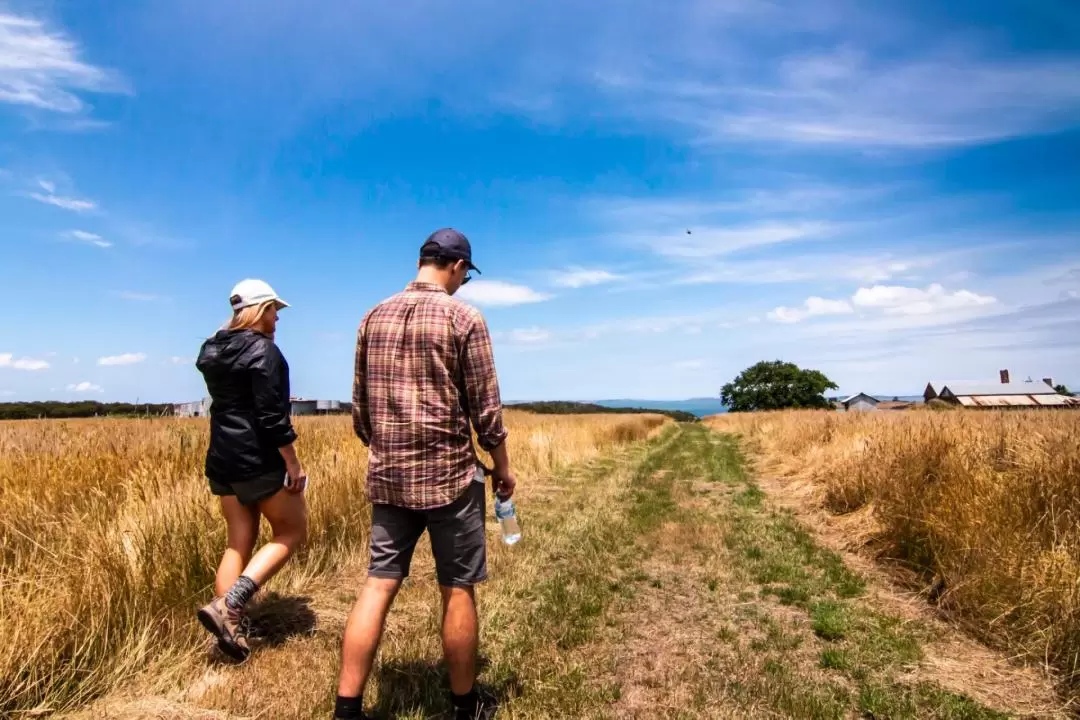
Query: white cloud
pixel 72 204
pixel 8 360
pixel 124 359
pixel 6 393
pixel 177 360
pixel 689 365
pixel 495 293
pixel 40 68
pixel 530 336
pixel 813 307
pixel 47 186
pixel 88 238
pixel 888 299
pixel 582 277
pixel 85 387
pixel 900 300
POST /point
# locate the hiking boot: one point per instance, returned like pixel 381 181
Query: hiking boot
pixel 228 626
pixel 486 707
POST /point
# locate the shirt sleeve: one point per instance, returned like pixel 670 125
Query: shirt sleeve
pixel 360 413
pixel 482 386
pixel 271 397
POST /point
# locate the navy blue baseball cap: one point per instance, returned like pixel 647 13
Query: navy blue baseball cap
pixel 448 243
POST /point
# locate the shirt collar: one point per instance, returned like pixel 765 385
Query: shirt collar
pixel 425 287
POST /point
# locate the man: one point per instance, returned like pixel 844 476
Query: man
pixel 424 373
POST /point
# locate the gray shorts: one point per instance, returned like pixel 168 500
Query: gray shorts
pixel 457 539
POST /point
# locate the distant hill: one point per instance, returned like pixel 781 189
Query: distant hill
pixel 565 407
pixel 698 407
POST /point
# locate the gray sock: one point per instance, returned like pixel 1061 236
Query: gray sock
pixel 239 594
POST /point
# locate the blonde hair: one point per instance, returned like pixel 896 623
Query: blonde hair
pixel 248 317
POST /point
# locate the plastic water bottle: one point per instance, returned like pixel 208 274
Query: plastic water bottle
pixel 504 511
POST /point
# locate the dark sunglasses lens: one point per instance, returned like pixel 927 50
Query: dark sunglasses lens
pixel 468 277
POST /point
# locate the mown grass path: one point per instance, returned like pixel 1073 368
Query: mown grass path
pixel 655 583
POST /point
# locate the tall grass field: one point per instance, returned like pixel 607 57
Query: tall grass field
pixel 109 537
pixel 984 506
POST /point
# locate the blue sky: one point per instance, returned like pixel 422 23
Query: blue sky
pixel 659 193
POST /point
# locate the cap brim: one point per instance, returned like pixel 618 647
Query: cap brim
pixel 474 268
pixel 281 304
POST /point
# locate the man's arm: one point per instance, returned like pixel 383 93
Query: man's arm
pixel 485 403
pixel 361 415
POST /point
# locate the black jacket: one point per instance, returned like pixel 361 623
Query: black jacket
pixel 248 381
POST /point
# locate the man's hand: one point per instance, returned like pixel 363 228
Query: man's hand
pixel 505 482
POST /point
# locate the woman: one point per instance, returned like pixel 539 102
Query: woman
pixel 251 464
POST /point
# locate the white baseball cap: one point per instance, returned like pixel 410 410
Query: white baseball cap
pixel 254 292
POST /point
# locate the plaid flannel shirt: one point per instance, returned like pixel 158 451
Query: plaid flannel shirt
pixel 424 371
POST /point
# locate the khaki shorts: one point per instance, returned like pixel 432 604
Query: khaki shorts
pixel 457 539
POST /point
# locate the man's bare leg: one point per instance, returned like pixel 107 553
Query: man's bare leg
pixel 460 636
pixel 363 632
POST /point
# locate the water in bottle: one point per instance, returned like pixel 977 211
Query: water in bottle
pixel 507 515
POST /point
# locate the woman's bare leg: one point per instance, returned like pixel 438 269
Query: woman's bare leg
pixel 287 513
pixel 242 529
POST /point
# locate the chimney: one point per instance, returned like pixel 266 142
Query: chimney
pixel 1049 381
pixel 1004 377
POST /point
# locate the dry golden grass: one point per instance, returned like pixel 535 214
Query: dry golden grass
pixel 109 537
pixel 985 505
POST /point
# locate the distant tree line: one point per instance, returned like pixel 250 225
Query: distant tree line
pixel 565 407
pixel 60 410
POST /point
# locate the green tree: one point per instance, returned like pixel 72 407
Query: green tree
pixel 776 385
pixel 1062 390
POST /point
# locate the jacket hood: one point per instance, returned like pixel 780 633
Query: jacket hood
pixel 226 347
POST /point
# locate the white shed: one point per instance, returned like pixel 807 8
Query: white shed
pixel 861 402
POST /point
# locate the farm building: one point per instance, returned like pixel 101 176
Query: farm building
pixel 300 406
pixel 860 402
pixel 1005 394
pixel 198 408
pixel 303 406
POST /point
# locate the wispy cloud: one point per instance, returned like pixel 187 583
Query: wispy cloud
pixel 577 277
pixel 40 68
pixel 47 186
pixel 703 242
pixel 67 203
pixel 496 293
pixel 85 387
pixel 688 365
pixel 852 96
pixel 530 336
pixel 124 359
pixel 8 360
pixel 89 238
pixel 137 296
pixel 178 360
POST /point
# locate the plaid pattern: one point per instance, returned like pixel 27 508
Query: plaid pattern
pixel 424 371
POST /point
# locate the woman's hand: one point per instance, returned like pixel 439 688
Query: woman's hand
pixel 296 481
